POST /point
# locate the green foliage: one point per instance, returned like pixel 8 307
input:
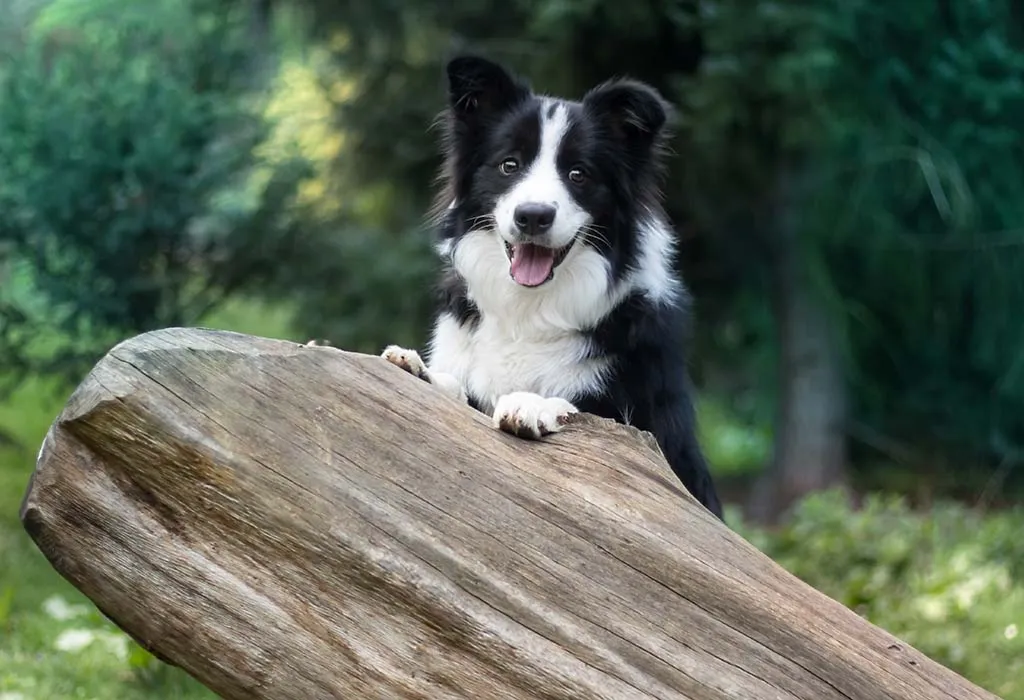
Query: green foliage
pixel 366 288
pixel 891 136
pixel 6 600
pixel 924 236
pixel 950 582
pixel 126 153
pixel 765 88
pixel 732 445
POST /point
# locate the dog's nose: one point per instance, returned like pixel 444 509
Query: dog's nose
pixel 534 218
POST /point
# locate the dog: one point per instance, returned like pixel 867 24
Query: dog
pixel 557 293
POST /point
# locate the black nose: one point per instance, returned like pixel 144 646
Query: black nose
pixel 533 218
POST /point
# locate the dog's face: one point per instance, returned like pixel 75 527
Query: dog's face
pixel 546 177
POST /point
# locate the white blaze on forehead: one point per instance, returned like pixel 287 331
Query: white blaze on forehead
pixel 543 183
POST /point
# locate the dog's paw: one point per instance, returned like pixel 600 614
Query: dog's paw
pixel 531 416
pixel 409 360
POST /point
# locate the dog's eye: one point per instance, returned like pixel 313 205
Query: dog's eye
pixel 509 166
pixel 577 176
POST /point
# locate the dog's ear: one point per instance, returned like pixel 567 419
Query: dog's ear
pixel 478 88
pixel 632 110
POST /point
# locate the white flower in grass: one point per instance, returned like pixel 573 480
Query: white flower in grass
pixel 59 609
pixel 74 640
pixel 116 642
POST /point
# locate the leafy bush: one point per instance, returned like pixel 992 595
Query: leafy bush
pixel 734 444
pixel 950 581
pixel 127 136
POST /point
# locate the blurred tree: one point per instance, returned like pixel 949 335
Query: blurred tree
pixel 881 149
pixel 127 176
pixel 924 229
pixel 757 123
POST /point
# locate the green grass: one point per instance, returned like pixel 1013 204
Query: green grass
pixel 54 644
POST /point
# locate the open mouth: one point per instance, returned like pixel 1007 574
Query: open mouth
pixel 532 265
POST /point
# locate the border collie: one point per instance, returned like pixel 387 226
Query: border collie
pixel 558 293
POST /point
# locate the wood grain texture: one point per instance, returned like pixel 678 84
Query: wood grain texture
pixel 295 522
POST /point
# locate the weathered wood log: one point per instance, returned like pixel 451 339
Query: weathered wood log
pixel 292 522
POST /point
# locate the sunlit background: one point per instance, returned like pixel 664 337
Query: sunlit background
pixel 848 183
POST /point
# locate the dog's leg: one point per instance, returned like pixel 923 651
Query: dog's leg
pixel 531 416
pixel 411 362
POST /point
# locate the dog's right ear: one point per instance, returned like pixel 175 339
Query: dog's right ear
pixel 478 88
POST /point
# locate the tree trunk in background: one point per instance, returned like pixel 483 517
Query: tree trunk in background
pixel 810 450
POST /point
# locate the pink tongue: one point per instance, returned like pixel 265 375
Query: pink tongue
pixel 531 264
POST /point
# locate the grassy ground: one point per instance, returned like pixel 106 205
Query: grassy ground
pixel 53 643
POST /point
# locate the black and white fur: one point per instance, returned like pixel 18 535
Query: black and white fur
pixel 607 332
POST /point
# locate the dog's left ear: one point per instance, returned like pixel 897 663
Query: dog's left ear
pixel 632 110
pixel 478 88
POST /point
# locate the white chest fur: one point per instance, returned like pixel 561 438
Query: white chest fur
pixel 489 361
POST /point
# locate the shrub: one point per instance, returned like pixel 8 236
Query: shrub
pixel 127 177
pixel 948 581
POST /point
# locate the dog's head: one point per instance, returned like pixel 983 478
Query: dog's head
pixel 550 180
